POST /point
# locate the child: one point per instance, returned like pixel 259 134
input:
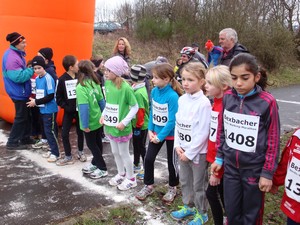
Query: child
pixel 45 91
pixel 218 80
pixel 120 108
pixel 164 105
pixel 140 122
pixel 90 103
pixel 66 99
pixel 287 173
pixel 247 142
pixel 190 144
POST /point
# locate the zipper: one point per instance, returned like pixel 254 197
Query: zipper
pixel 237 152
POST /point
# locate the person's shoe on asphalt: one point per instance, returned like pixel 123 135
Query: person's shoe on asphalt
pixel 88 169
pixel 67 160
pixel 52 158
pixel 127 184
pixel 116 180
pixel 98 174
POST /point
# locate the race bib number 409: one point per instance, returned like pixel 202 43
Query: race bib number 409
pixel 160 113
pixel 241 131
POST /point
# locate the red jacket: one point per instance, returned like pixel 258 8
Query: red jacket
pixel 288 173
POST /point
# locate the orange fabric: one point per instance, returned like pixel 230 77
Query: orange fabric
pixel 140 118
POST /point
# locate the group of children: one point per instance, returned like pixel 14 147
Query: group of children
pixel 238 134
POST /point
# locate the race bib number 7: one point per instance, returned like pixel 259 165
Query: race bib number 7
pixel 241 131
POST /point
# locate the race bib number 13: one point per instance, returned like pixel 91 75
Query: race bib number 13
pixel 292 180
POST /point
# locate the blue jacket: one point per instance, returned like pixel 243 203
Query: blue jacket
pixel 15 74
pixel 165 95
pixel 214 55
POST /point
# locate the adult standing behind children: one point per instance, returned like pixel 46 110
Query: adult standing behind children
pixel 18 87
pixel 45 91
pixel 122 48
pixel 66 99
pixel 198 55
pixel 214 53
pixel 247 141
pixel 47 54
pixel 228 40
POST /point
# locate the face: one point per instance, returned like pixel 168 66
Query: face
pixel 39 70
pixel 225 43
pixel 184 58
pixel 74 68
pixel 109 75
pixel 121 46
pixel 21 46
pixel 157 81
pixel 212 90
pixel 190 83
pixel 243 80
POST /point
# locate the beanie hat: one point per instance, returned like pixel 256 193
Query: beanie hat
pixel 14 38
pixel 138 72
pixel 47 53
pixel 195 45
pixel 161 59
pixel 38 61
pixel 117 65
pixel 209 44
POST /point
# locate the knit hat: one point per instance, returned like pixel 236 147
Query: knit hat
pixel 38 61
pixel 195 45
pixel 209 44
pixel 161 59
pixel 14 38
pixel 47 53
pixel 117 65
pixel 138 73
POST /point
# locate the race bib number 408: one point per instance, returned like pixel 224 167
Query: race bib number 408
pixel 241 131
pixel 160 113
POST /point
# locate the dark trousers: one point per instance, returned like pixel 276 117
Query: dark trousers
pixel 244 202
pixel 21 128
pixel 215 197
pixel 51 131
pixel 139 146
pixel 291 222
pixel 36 128
pixel 66 127
pixel 94 143
pixel 151 153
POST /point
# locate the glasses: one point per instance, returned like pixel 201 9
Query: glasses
pixel 107 70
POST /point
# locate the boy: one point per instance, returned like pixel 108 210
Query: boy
pixel 45 90
pixel 66 99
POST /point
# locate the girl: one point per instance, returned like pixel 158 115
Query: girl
pixel 90 103
pixel 190 144
pixel 121 106
pixel 218 80
pixel 164 105
pixel 247 142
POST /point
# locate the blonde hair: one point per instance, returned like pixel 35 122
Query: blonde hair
pixel 127 50
pixel 165 70
pixel 220 76
pixel 195 68
pixel 118 81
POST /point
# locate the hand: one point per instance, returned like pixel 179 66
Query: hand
pixel 136 131
pixel 213 180
pixel 31 102
pixel 151 135
pixel 265 184
pixel 101 120
pixel 154 140
pixel 215 168
pixel 183 158
pixel 120 126
pixel 87 130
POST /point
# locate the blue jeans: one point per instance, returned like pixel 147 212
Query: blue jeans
pixel 51 131
pixel 21 128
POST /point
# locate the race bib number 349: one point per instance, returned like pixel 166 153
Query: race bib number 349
pixel 111 117
pixel 241 131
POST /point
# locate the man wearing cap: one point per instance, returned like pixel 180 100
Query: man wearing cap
pixel 17 84
pixel 214 53
pixel 47 54
pixel 199 55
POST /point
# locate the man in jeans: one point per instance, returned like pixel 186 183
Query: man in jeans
pixel 17 85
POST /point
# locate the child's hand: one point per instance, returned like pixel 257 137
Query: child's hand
pixel 215 168
pixel 274 189
pixel 151 135
pixel 179 151
pixel 31 102
pixel 87 130
pixel 265 184
pixel 101 120
pixel 183 157
pixel 120 126
pixel 213 180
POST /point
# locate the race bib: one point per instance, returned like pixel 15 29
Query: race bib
pixel 40 93
pixel 292 180
pixel 33 86
pixel 159 113
pixel 184 131
pixel 241 131
pixel 111 117
pixel 71 88
pixel 213 126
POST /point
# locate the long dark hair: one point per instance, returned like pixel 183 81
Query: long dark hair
pixel 86 71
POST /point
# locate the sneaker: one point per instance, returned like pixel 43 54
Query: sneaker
pixel 105 140
pixel 116 180
pixel 89 169
pixel 127 184
pixel 170 195
pixel 183 212
pixel 40 145
pixel 81 156
pixel 140 175
pixel 199 219
pixel 16 147
pixel 137 169
pixel 65 161
pixel 225 221
pixel 47 154
pixel 52 158
pixel 144 193
pixel 98 174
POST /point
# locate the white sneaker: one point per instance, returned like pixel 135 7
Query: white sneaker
pixel 105 140
pixel 40 145
pixel 116 180
pixel 89 168
pixel 98 174
pixel 52 158
pixel 127 184
pixel 46 155
pixel 81 157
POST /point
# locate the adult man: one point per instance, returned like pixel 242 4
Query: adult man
pixel 228 40
pixel 17 85
pixel 199 55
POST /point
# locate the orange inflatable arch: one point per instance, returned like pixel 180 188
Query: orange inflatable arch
pixel 65 26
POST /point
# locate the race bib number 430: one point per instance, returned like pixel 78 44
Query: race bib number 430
pixel 160 113
pixel 241 131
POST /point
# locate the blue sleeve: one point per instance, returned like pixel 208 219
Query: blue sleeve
pixel 219 161
pixel 102 104
pixel 84 114
pixel 150 122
